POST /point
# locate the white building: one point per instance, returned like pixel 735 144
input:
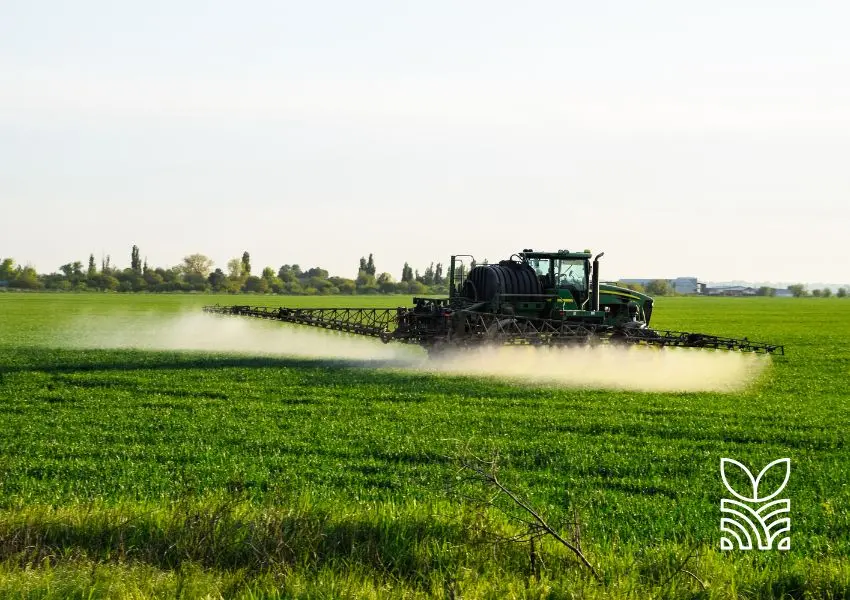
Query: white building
pixel 732 290
pixel 686 285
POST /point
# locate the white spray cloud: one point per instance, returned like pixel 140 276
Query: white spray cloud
pixel 604 367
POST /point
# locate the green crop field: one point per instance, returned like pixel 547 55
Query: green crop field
pixel 159 471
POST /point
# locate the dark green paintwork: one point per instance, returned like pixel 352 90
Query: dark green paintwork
pixel 571 298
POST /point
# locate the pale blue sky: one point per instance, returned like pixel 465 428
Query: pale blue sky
pixel 681 140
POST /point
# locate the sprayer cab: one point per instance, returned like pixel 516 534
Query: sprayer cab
pixel 552 285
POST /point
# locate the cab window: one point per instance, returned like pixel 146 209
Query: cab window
pixel 540 266
pixel 571 273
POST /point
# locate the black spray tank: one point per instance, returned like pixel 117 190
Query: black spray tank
pixel 516 281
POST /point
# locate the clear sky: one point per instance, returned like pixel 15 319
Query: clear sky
pixel 706 139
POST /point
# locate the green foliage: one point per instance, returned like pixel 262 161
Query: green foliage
pixel 7 269
pixel 842 292
pixel 632 286
pixel 197 265
pixel 234 268
pixel 438 275
pixel 826 292
pixel 659 287
pixel 366 283
pixel 766 291
pixel 798 290
pixel 217 280
pixel 246 263
pixel 256 284
pixel 386 285
pixel 25 278
pixel 135 261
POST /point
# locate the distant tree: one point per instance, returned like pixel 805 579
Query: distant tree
pixel 366 283
pixel 659 287
pixel 25 278
pixel 347 286
pixel 817 293
pixel 386 285
pixel 7 269
pixel 246 263
pixel 92 271
pixel 798 290
pixel 145 266
pixel 197 264
pixel 289 273
pixel 232 286
pixel 370 265
pixel 106 266
pixel 292 287
pixel 826 292
pixel 73 272
pixel 256 284
pixel 842 292
pixel 418 277
pixel 438 274
pixel 766 291
pixel 234 268
pixel 406 273
pixel 321 286
pixel 428 277
pixel 632 286
pixel 362 264
pixel 135 261
pixel 275 283
pixel 153 279
pixel 417 287
pixel 54 281
pixel 317 272
pixel 217 280
pixel 108 282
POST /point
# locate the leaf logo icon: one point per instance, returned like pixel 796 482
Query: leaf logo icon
pixel 755 519
pixel 753 494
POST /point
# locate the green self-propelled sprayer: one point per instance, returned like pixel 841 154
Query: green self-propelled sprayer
pixel 534 298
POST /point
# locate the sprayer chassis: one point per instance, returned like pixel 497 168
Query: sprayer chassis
pixel 435 326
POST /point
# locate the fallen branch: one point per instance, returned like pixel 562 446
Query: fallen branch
pixel 539 523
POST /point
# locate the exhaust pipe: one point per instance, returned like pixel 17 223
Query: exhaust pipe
pixel 452 290
pixel 594 300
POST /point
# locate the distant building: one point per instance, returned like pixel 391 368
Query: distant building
pixel 732 290
pixel 686 285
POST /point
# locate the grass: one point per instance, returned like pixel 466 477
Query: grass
pixel 131 473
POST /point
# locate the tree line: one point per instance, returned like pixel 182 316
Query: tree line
pixel 662 287
pixel 196 274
